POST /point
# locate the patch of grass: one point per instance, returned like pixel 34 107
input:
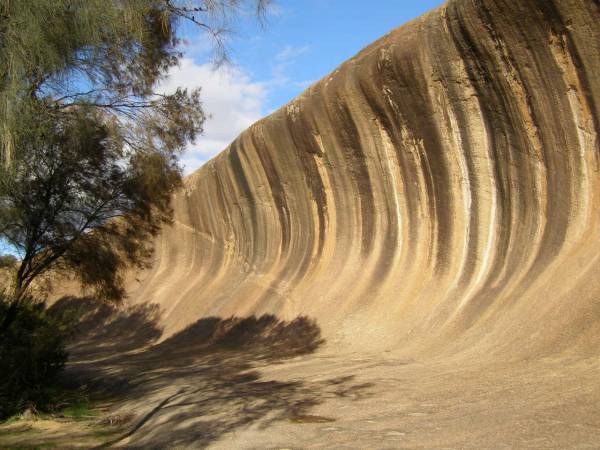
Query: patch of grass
pixel 80 411
pixel 63 403
pixel 62 397
pixel 72 413
pixel 72 416
pixel 11 420
pixel 18 434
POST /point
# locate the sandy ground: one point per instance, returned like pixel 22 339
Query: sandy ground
pixel 351 401
pixel 52 433
pixel 384 402
pixel 266 384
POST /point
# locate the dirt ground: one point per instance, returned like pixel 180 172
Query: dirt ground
pixel 341 401
pixel 262 384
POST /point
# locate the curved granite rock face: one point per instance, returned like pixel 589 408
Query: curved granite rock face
pixel 440 190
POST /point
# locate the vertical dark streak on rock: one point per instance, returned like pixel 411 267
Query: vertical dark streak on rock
pixel 306 147
pixel 276 189
pixel 554 16
pixel 247 195
pixel 495 106
pixel 558 173
pixel 391 242
pixel 457 37
pixel 510 142
pixel 350 140
pixel 420 124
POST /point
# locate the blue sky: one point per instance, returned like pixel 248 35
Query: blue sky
pixel 301 42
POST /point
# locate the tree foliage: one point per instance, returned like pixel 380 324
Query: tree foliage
pixel 89 149
pixel 79 199
pixel 31 355
pixel 109 54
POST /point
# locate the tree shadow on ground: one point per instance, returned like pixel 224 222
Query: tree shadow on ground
pixel 200 383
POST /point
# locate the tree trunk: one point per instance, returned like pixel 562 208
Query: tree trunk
pixel 13 308
pixel 10 317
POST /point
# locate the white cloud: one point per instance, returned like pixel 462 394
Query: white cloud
pixel 229 96
pixel 283 61
pixel 290 52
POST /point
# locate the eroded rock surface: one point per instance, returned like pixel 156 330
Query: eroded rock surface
pixel 439 191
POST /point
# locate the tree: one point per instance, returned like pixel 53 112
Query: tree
pixel 89 148
pixel 79 198
pixel 106 54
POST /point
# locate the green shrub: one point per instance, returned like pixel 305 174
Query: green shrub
pixel 7 261
pixel 32 353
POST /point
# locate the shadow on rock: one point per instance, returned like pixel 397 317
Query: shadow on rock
pixel 264 337
pixel 200 383
pixel 100 329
